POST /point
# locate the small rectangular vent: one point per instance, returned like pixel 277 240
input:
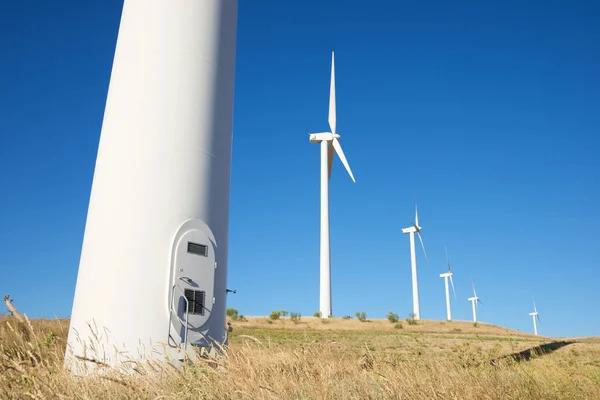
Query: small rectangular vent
pixel 196 301
pixel 197 249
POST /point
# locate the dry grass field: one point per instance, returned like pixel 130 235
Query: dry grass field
pixel 311 359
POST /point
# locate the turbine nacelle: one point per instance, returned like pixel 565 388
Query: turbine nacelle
pixel 446 275
pixel 412 229
pixel 323 137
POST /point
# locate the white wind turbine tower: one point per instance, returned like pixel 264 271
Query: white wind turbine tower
pixel 474 300
pixel 447 275
pixel 329 143
pixel 535 315
pixel 415 228
pixel 152 278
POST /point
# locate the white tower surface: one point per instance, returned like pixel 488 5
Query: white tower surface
pixel 153 268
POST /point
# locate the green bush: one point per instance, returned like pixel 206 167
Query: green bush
pixel 278 314
pixel 275 315
pixel 317 314
pixel 295 317
pixel 398 325
pixel 361 316
pixel 233 313
pixel 392 317
pixel 346 317
pixel 411 319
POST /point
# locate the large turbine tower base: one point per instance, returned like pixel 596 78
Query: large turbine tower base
pixel 152 275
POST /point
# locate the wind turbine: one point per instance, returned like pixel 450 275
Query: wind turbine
pixel 535 315
pixel 329 143
pixel 474 300
pixel 415 228
pixel 447 275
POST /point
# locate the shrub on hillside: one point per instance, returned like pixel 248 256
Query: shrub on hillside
pixel 275 315
pixel 232 313
pixel 361 316
pixel 295 317
pixel 392 317
pixel 278 314
pixel 411 319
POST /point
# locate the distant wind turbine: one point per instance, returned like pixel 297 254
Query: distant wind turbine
pixel 415 228
pixel 447 275
pixel 474 300
pixel 329 143
pixel 535 316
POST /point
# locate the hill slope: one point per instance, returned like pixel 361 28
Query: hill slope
pixel 337 359
pixel 463 328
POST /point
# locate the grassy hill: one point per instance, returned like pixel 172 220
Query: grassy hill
pixel 335 359
pixel 383 325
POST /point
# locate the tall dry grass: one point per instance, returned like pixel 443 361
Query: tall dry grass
pixel 306 364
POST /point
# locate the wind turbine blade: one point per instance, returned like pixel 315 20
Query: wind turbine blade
pixel 332 115
pixel 423 246
pixel 474 293
pixel 338 149
pixel 447 260
pixel 330 151
pixel 479 301
pixel 452 282
pixel 538 318
pixel 416 216
pixel 534 308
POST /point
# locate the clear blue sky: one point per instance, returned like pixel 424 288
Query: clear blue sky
pixel 486 114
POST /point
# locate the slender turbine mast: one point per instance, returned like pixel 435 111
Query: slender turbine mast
pixel 329 142
pixel 535 316
pixel 152 276
pixel 447 275
pixel 415 228
pixel 474 300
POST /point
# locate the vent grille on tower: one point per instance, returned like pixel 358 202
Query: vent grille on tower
pixel 196 301
pixel 197 249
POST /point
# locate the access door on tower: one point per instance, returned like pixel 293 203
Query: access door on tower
pixel 193 279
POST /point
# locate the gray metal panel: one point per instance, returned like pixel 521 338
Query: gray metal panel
pixel 193 269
